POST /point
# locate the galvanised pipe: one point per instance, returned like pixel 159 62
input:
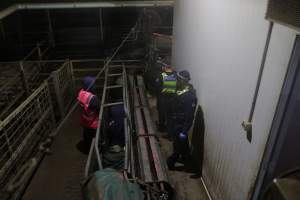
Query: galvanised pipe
pixel 113 4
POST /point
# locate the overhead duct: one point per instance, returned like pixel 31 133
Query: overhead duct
pixel 4 13
pixel 286 12
pixel 109 4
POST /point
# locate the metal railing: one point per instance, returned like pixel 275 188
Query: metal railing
pixel 87 67
pixel 11 89
pixel 25 131
pixel 94 161
pixel 19 79
pixel 22 131
pixel 26 76
pixel 64 89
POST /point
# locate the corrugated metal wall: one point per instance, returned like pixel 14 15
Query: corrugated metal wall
pixel 221 43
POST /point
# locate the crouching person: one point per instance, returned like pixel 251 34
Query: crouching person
pixel 114 153
pixel 89 118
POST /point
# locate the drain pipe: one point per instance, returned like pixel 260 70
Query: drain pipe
pixel 109 4
pixel 247 124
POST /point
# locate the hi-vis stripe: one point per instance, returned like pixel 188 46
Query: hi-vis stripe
pixel 169 83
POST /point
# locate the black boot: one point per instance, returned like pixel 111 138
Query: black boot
pixel 189 165
pixel 171 163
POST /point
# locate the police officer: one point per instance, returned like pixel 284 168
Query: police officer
pixel 89 118
pixel 185 105
pixel 166 94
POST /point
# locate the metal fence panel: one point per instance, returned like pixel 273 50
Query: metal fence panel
pixel 62 80
pixel 23 129
pixel 11 88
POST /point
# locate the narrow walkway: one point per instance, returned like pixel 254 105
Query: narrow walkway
pixel 186 187
pixel 61 172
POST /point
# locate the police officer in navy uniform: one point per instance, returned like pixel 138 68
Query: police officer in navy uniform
pixel 166 94
pixel 185 105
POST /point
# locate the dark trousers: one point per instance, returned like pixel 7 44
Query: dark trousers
pixel 165 110
pixel 161 110
pixel 181 148
pixel 88 135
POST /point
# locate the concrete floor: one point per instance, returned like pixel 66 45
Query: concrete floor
pixel 61 172
pixel 187 187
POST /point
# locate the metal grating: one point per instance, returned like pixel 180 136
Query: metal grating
pixel 62 80
pixel 11 88
pixel 286 12
pixel 23 129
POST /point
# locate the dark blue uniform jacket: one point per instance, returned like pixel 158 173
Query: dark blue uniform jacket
pixel 185 109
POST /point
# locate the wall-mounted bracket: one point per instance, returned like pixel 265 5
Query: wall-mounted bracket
pixel 248 128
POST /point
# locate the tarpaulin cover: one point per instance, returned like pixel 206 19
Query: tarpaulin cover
pixel 109 184
pixel 113 159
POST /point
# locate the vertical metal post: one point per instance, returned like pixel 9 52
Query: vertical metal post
pixel 72 76
pixel 58 93
pixel 50 29
pixel 247 124
pixel 101 24
pixel 51 104
pixel 38 46
pixel 23 78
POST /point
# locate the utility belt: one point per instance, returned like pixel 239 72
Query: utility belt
pixel 169 95
pixel 178 117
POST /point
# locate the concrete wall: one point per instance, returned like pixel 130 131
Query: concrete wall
pixel 221 43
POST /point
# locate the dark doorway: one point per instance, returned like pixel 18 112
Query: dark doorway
pixel 283 149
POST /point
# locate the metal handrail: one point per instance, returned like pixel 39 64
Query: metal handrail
pixel 71 5
pixel 23 105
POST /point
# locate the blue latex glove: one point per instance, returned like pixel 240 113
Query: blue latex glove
pixel 182 136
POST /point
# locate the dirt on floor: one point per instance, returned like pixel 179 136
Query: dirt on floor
pixel 187 186
pixel 61 172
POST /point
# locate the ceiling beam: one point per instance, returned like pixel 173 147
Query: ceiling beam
pixel 4 13
pixel 108 4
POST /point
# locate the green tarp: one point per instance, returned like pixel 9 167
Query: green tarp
pixel 109 184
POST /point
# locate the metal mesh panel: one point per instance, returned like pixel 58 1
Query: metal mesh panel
pixel 32 72
pixel 37 53
pixel 63 87
pixel 11 88
pixel 284 11
pixel 21 131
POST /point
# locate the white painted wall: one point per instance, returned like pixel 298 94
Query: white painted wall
pixel 221 43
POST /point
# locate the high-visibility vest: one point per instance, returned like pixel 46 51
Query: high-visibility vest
pixel 88 118
pixel 183 91
pixel 169 83
pixel 179 112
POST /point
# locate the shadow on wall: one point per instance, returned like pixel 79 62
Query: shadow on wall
pixel 197 142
